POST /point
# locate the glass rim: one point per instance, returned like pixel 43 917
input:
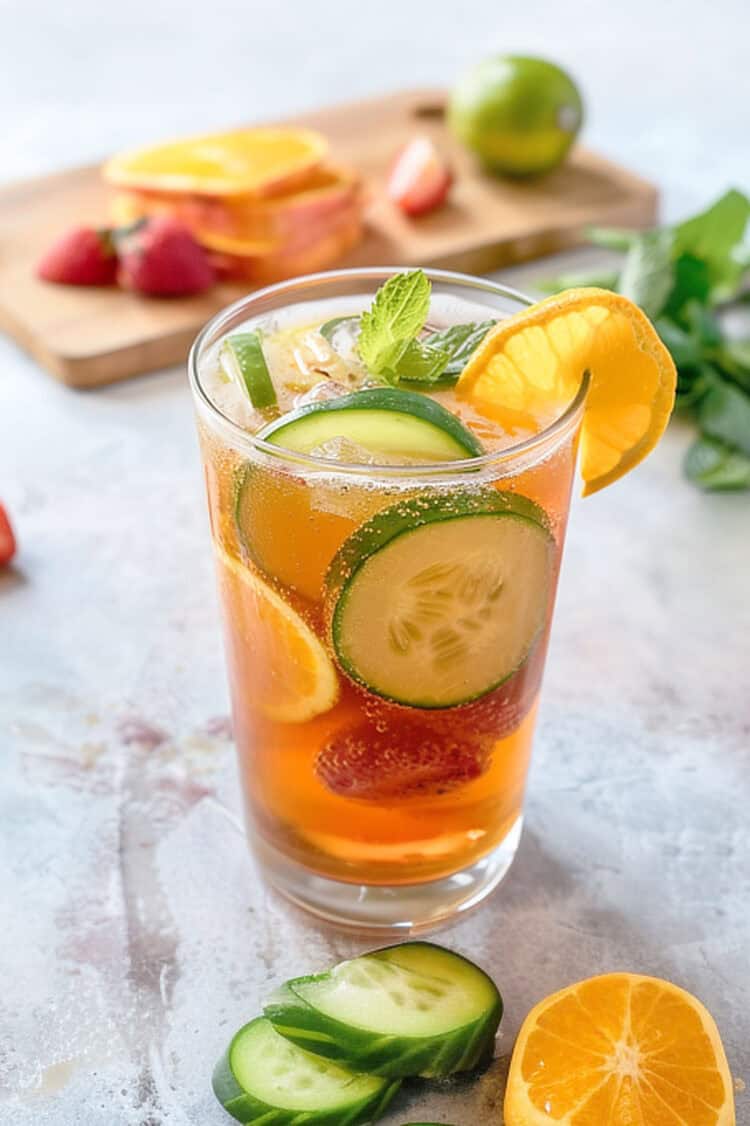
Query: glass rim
pixel 558 429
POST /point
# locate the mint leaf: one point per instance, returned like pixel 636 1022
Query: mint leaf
pixel 692 282
pixel 739 353
pixel 715 233
pixel 396 317
pixel 679 275
pixel 733 356
pixel 702 324
pixel 648 273
pixel 420 363
pixel 686 350
pixel 715 465
pixel 388 341
pixel 459 342
pixel 724 413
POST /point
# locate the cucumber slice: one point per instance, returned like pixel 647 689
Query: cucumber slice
pixel 264 1078
pixel 384 421
pixel 243 360
pixel 436 601
pixel 411 1009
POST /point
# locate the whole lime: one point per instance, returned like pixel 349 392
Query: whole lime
pixel 520 115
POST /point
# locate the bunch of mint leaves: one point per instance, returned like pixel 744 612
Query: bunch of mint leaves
pixel 393 345
pixel 684 277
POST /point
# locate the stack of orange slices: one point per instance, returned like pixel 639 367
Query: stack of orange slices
pixel 265 202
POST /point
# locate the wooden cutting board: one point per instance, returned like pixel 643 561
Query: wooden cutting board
pixel 88 337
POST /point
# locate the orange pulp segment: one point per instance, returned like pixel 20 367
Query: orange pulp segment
pixel 530 366
pixel 619 1050
pixel 287 673
pixel 260 162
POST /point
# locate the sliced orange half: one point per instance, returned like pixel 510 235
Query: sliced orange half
pixel 619 1050
pixel 259 162
pixel 278 663
pixel 530 366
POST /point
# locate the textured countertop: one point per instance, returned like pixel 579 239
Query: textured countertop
pixel 135 934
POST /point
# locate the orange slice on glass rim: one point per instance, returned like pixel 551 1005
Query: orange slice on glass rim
pixel 618 1050
pixel 530 366
pixel 260 162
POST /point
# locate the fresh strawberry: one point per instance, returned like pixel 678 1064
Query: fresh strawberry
pixel 83 256
pixel 7 539
pixel 377 762
pixel 419 179
pixel 161 257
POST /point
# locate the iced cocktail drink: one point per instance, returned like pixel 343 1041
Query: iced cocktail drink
pixel 387 559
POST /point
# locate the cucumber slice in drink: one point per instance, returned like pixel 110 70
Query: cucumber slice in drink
pixel 264 1078
pixel 411 1009
pixel 437 600
pixel 243 359
pixel 384 421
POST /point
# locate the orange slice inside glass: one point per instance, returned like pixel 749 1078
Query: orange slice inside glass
pixel 619 1050
pixel 530 366
pixel 282 664
pixel 260 162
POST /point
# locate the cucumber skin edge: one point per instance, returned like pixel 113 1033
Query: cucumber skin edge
pixel 404 517
pixel 246 1109
pixel 433 1057
pixel 385 399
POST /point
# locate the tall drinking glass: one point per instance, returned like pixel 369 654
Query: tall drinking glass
pixel 386 624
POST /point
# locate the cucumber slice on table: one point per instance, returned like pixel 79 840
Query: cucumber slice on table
pixel 412 1009
pixel 243 360
pixel 264 1078
pixel 383 421
pixel 437 600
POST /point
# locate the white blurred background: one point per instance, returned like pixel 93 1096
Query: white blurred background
pixel 667 83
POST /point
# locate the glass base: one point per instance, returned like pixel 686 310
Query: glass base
pixel 402 908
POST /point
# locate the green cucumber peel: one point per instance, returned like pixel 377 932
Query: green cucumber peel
pixel 406 515
pixel 402 417
pixel 445 609
pixel 264 1078
pixel 448 994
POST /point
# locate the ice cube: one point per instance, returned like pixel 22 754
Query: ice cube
pixel 344 449
pixel 322 392
pixel 231 399
pixel 344 339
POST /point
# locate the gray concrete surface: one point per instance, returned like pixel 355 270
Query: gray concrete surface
pixel 134 933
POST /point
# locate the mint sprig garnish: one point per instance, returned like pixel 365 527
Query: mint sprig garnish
pixel 681 276
pixel 390 343
pixel 395 318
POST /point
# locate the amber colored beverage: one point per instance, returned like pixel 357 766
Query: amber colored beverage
pixel 362 807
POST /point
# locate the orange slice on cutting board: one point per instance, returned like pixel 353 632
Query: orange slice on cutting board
pixel 619 1050
pixel 325 195
pixel 259 162
pixel 530 366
